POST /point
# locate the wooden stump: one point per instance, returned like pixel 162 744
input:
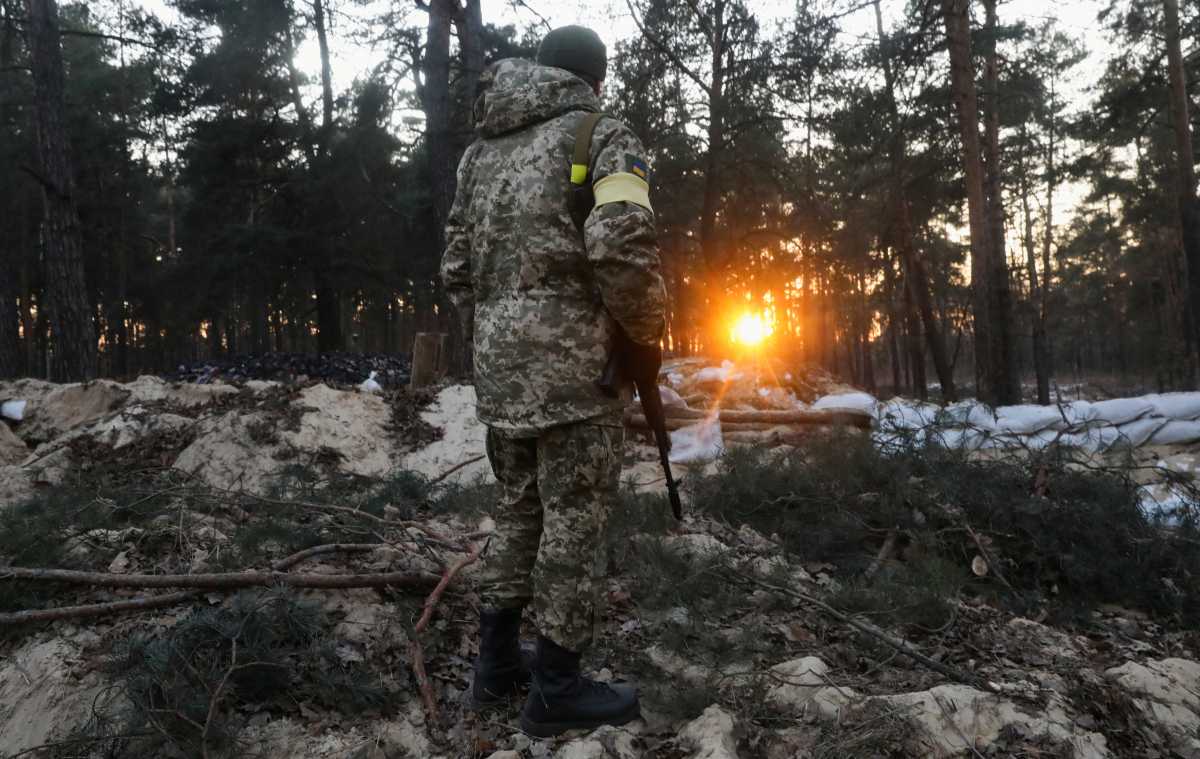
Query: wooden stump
pixel 429 359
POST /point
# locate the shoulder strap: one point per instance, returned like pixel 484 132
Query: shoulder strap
pixel 581 159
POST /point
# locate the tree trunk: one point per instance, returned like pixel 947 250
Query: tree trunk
pixel 1189 209
pixel 1004 354
pixel 435 99
pixel 962 88
pixel 1040 361
pixel 916 276
pixel 468 24
pixel 319 21
pixel 70 314
pixel 709 249
pixel 10 255
pixel 1048 239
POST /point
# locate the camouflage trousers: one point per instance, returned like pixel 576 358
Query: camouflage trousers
pixel 556 493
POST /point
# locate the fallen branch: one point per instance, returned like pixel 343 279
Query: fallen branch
pixel 638 421
pixel 898 644
pixel 96 610
pixel 222 581
pixel 308 553
pixel 331 509
pixel 774 418
pixel 414 646
pixel 441 477
pixel 88 611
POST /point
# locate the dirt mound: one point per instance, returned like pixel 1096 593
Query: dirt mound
pixel 717 620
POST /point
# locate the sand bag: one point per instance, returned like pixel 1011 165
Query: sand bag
pixel 1182 407
pixel 968 414
pixel 858 403
pixel 1120 411
pixel 1026 420
pixel 1137 433
pixel 1176 433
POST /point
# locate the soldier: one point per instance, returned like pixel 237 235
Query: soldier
pixel 550 250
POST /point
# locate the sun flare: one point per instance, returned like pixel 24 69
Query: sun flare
pixel 751 330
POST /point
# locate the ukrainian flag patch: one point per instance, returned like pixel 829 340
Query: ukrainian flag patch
pixel 637 166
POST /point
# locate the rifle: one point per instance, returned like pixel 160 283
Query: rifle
pixel 647 387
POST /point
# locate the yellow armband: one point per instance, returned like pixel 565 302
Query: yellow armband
pixel 630 188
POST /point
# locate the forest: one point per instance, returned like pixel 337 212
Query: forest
pixel 929 196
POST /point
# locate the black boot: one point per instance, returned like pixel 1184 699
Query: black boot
pixel 561 699
pixel 501 669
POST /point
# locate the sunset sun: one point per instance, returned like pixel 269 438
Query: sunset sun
pixel 751 330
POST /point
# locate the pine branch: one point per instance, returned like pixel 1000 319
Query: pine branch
pixel 898 644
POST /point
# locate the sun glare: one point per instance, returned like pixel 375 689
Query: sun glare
pixel 751 330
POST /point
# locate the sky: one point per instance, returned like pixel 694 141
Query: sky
pixel 611 19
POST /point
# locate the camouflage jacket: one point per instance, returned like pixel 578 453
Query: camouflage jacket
pixel 539 297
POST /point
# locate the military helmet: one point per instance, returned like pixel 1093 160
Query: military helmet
pixel 576 49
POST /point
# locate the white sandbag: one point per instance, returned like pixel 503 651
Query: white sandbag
pixel 370 386
pixel 670 398
pixel 958 439
pixel 1176 433
pixel 1092 439
pixel 898 415
pixel 1182 407
pixel 722 373
pixel 1077 414
pixel 1164 503
pixel 1138 433
pixel 1120 411
pixel 698 443
pixel 1026 420
pixel 1039 441
pixel 969 414
pixel 852 402
pixel 897 441
pixel 14 410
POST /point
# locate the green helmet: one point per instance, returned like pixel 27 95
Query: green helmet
pixel 576 49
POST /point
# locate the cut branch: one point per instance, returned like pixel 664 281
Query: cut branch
pixel 88 611
pixel 414 646
pixel 222 581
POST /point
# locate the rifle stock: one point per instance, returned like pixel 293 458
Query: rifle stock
pixel 647 387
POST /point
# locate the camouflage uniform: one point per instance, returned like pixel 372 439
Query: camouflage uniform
pixel 540 300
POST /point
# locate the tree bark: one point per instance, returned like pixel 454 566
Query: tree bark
pixel 1007 382
pixel 916 276
pixel 1048 237
pixel 10 258
pixel 72 321
pixel 1040 360
pixel 716 140
pixel 1189 208
pixel 434 92
pixel 966 101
